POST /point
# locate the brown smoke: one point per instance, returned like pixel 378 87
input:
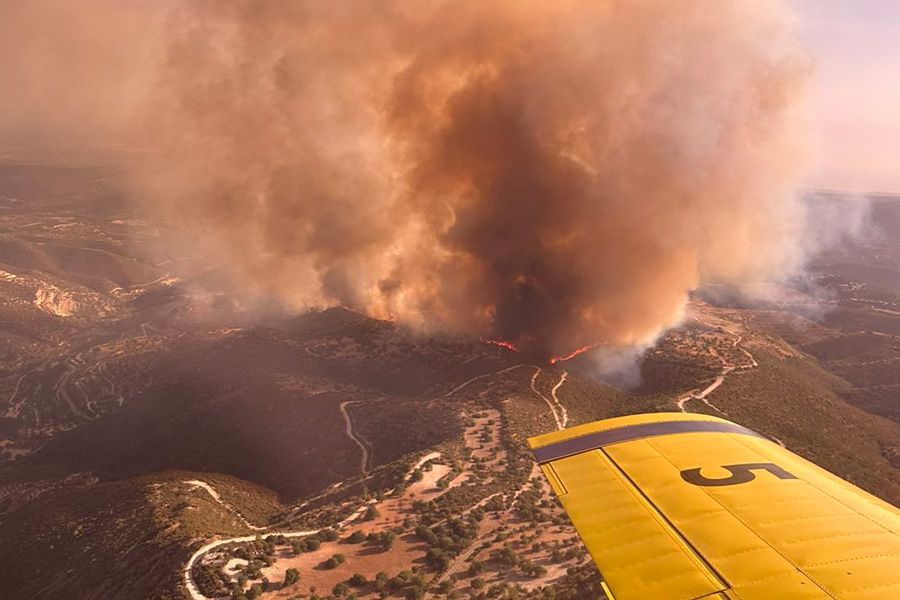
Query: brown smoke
pixel 554 174
pixel 72 73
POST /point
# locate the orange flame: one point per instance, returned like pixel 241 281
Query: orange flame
pixel 501 344
pixel 573 354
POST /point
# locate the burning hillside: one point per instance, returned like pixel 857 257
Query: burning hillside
pixel 550 174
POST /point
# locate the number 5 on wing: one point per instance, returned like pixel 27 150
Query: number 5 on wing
pixel 741 473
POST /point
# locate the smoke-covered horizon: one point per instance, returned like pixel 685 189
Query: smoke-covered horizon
pixel 550 174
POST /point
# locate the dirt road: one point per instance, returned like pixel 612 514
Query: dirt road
pixel 480 377
pixel 191 585
pixel 212 492
pixel 559 405
pixel 189 582
pixel 556 408
pixel 727 369
pixel 359 441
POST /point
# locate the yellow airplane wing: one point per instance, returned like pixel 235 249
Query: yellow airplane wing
pixel 675 506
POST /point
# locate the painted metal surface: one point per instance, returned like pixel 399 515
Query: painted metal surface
pixel 684 506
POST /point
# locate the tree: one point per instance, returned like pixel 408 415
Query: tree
pixel 394 583
pixel 371 513
pixel 476 567
pixel 414 593
pixel 291 576
pixel 387 539
pixel 340 589
pixel 358 580
pixel 381 579
pixel 334 561
pixel 437 558
pixel 356 537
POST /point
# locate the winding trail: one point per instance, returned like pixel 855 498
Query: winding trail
pixel 460 560
pixel 561 417
pixel 562 409
pixel 61 388
pixel 12 411
pixel 189 582
pixel 457 563
pixel 480 377
pixel 726 370
pixel 684 399
pixel 693 395
pixel 560 414
pixel 191 585
pixel 419 463
pixel 212 492
pixel 70 381
pixel 359 441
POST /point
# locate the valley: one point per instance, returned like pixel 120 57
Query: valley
pixel 158 440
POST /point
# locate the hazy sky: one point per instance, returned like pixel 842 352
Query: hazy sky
pixel 855 100
pixel 854 103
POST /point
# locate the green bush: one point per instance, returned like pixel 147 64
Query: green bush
pixel 340 589
pixel 357 537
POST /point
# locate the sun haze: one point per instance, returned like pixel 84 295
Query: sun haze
pixel 854 92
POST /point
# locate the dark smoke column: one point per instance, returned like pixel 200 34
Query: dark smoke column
pixel 550 174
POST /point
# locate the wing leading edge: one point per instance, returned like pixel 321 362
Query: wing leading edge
pixel 675 506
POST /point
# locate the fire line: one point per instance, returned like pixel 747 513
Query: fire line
pixel 573 354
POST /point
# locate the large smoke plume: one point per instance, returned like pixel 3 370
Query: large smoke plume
pixel 554 174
